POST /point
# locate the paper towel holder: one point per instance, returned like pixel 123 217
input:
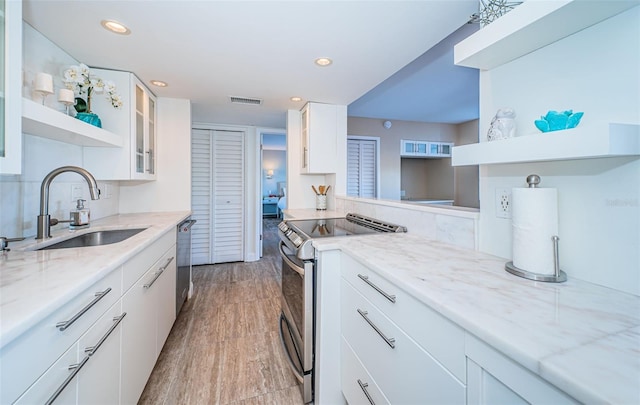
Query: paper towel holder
pixel 558 275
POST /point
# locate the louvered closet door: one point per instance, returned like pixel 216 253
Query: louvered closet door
pixel 201 196
pixel 217 196
pixel 361 167
pixel 228 196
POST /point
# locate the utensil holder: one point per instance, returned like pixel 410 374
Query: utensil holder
pixel 321 202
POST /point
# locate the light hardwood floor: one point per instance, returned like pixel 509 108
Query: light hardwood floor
pixel 224 347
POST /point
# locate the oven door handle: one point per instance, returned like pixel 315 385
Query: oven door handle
pixel 291 264
pixel 296 371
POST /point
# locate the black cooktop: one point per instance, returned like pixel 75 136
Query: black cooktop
pixel 326 227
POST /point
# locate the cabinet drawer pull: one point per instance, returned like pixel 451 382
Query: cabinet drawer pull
pixel 363 387
pixel 390 341
pixel 388 296
pixel 91 350
pixel 158 273
pixel 65 324
pixel 76 369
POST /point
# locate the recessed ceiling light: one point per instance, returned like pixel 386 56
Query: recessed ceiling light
pixel 115 27
pixel 296 98
pixel 323 62
pixel 159 83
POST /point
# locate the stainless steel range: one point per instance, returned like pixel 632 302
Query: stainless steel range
pixel 297 320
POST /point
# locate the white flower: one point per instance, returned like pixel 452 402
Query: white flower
pixel 79 79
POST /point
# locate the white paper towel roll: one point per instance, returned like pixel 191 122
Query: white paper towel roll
pixel 535 222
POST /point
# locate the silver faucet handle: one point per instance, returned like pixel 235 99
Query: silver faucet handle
pixel 4 243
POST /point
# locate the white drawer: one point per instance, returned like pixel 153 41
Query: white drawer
pixel 355 380
pixel 443 339
pixel 32 353
pixel 405 373
pixel 51 380
pixel 139 264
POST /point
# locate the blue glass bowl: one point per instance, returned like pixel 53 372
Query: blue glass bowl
pixel 90 118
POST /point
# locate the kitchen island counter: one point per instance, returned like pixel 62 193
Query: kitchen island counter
pixel 33 284
pixel 580 337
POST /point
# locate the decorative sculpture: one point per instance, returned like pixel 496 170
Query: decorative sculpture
pixel 503 125
pixel 555 121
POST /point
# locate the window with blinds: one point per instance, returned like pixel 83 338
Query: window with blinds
pixel 362 167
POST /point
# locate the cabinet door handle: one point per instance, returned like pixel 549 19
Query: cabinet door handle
pixel 388 296
pixel 158 273
pixel 390 341
pixel 91 350
pixel 76 369
pixel 65 324
pixel 363 387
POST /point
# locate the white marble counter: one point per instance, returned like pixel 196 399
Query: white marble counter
pixel 33 284
pixel 583 338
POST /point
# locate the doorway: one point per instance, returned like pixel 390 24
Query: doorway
pixel 273 178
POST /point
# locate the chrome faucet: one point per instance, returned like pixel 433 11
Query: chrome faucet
pixel 44 219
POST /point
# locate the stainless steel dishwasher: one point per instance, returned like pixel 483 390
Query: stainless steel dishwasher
pixel 183 261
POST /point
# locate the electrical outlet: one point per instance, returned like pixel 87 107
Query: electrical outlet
pixel 503 203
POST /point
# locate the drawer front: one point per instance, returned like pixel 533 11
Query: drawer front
pixel 99 380
pixel 27 357
pixel 443 339
pixel 356 382
pixel 52 380
pixel 139 264
pixel 405 373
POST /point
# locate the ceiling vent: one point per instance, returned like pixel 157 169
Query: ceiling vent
pixel 245 100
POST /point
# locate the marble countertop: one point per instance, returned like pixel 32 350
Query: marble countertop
pixel 33 284
pixel 583 338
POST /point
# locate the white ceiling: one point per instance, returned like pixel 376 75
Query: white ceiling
pixel 210 50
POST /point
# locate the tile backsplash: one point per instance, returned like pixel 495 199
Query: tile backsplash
pixel 20 195
pixel 453 226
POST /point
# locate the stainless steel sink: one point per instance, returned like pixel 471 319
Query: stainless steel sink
pixel 98 238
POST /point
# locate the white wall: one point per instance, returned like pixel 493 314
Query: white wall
pixel 595 71
pixel 171 191
pixel 390 168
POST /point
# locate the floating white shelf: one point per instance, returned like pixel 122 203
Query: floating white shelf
pixel 46 122
pixel 530 26
pixel 587 142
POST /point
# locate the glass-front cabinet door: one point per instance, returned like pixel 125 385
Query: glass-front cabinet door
pixel 145 133
pixel 10 87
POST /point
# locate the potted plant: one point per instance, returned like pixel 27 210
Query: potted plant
pixel 81 81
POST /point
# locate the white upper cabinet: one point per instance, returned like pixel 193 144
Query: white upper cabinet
pixel 319 138
pixel 10 87
pixel 425 149
pixel 135 122
pixel 530 26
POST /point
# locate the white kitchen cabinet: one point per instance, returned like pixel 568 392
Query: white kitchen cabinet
pixel 25 359
pixel 10 87
pixel 135 122
pixel 319 146
pixel 37 362
pixel 99 379
pixel 495 379
pixel 405 351
pixel 413 148
pixel 47 386
pixel 147 323
pixel 425 149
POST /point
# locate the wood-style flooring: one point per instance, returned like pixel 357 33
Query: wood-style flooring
pixel 224 347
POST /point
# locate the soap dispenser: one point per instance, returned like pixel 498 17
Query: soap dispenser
pixel 80 217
